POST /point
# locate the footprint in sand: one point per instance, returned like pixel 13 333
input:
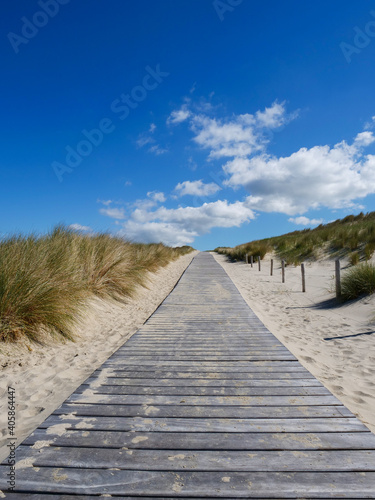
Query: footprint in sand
pixel 359 401
pixel 360 393
pixel 337 389
pixel 348 352
pixel 307 359
pixel 40 395
pixel 33 411
pixel 21 407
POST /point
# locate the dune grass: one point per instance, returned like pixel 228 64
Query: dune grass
pixel 353 235
pixel 358 281
pixel 45 281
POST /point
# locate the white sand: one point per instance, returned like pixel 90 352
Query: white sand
pixel 311 330
pixel 45 375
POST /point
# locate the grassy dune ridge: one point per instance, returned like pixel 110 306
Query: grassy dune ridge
pixel 352 237
pixel 45 281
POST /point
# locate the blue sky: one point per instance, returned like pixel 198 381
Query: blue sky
pixel 203 122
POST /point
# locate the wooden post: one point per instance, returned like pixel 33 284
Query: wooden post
pixel 251 260
pixel 247 258
pixel 283 271
pixel 271 267
pixel 258 263
pixel 338 278
pixel 303 277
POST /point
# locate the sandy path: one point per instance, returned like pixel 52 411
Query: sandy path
pixel 312 331
pixel 46 375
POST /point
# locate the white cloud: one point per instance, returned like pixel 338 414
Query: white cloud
pixel 78 227
pixel 321 176
pixel 114 213
pixel 194 86
pixel 326 176
pixel 305 221
pixel 234 138
pixel 192 164
pixel 156 232
pixel 196 188
pixel 143 140
pixel 153 198
pixel 274 116
pixel 156 196
pixel 145 204
pixel 105 202
pixel 239 136
pixel 156 149
pixel 181 225
pixel 370 124
pixel 179 115
pixel 364 139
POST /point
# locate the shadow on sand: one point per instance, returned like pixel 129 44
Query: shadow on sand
pixel 350 336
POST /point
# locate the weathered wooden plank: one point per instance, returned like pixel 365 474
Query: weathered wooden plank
pixel 207 336
pixel 237 330
pixel 181 368
pixel 243 327
pixel 22 496
pixel 218 343
pixel 214 356
pixel 182 382
pixel 225 364
pixel 207 441
pixel 172 350
pixel 207 460
pixel 155 424
pixel 263 412
pixel 206 391
pixel 198 347
pixel 224 485
pixel 89 397
pixel 145 359
pixel 280 365
pixel 201 342
pixel 213 375
pixel 225 339
pixel 31 496
pixel 204 337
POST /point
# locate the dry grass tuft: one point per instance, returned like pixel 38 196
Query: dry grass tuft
pixel 45 281
pixel 358 281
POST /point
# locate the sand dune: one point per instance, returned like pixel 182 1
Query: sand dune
pixel 336 343
pixel 45 375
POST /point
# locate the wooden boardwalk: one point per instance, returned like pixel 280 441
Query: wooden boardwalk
pixel 202 402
